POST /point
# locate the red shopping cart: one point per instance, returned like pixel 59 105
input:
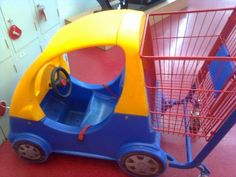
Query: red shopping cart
pixel 189 65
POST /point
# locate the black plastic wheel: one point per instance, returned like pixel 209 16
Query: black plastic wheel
pixel 141 164
pixel 202 175
pixel 195 125
pixel 30 151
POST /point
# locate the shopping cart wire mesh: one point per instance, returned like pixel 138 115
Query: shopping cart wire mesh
pixel 189 65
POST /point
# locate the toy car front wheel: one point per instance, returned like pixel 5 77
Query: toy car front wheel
pixel 141 165
pixel 30 151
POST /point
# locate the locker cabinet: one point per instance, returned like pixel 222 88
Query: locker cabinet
pixel 47 14
pixel 8 79
pixel 20 13
pixel 47 36
pixel 7 86
pixel 4 122
pixel 4 45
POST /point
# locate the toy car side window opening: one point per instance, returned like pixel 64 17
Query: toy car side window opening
pixel 95 88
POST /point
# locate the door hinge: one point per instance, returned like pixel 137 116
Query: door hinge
pixel 41 48
pixel 58 13
pixel 7 44
pixel 35 26
pixel 15 68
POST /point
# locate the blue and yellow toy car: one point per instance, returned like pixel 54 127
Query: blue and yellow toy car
pixel 52 111
pixel 121 120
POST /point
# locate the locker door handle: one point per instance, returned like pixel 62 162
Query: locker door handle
pixel 3 107
pixel 6 43
pixel 42 13
pixel 14 32
pixel 15 68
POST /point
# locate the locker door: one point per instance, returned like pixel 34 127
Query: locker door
pixel 4 129
pixel 47 13
pixel 20 13
pixel 4 46
pixel 8 82
pixel 26 56
pixel 47 36
pixel 8 79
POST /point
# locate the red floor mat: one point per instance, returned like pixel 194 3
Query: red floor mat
pixel 221 162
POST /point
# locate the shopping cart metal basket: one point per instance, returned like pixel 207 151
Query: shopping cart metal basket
pixel 189 65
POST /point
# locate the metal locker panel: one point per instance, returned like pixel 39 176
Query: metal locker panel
pixel 47 36
pixel 8 79
pixel 20 13
pixel 5 51
pixel 26 56
pixel 4 48
pixel 47 14
pixel 8 83
pixel 4 123
pixel 70 8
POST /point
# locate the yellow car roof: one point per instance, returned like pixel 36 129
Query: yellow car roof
pixel 116 27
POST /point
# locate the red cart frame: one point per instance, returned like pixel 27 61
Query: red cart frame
pixel 183 47
pixel 189 62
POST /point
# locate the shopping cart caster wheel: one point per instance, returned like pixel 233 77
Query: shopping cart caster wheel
pixel 195 125
pixel 141 164
pixel 30 151
pixel 201 175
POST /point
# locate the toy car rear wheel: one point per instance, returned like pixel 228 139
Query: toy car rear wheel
pixel 30 151
pixel 141 164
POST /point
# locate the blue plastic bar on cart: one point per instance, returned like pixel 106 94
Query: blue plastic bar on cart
pixel 209 146
pixel 187 137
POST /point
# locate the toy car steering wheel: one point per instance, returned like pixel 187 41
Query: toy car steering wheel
pixel 61 79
